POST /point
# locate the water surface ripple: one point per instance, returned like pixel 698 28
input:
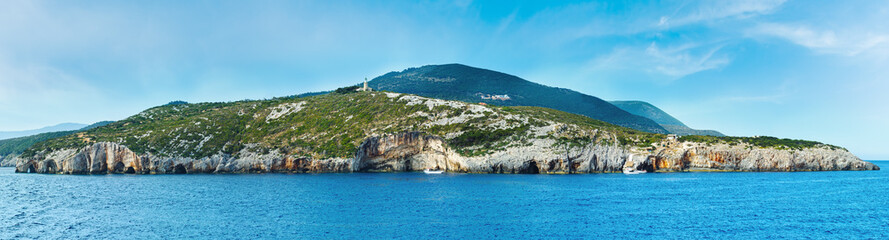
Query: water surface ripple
pixel 835 205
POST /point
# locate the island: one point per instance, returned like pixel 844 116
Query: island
pixel 373 131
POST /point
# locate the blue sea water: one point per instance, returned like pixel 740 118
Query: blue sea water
pixel 814 205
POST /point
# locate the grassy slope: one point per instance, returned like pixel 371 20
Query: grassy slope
pixel 763 142
pixel 331 125
pixel 334 125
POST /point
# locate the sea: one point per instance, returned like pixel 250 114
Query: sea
pixel 699 205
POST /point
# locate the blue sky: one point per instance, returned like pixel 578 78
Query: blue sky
pixel 797 69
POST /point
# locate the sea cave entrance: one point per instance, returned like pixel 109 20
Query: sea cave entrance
pixel 130 170
pixel 179 169
pixel 118 167
pixel 51 166
pixel 531 169
pixel 31 168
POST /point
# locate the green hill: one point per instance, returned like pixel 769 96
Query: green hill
pixel 669 123
pixel 469 84
pixel 334 125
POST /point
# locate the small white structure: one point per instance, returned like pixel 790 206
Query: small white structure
pixel 365 88
pixel 503 97
pixel 672 137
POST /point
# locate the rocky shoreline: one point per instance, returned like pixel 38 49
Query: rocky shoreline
pixel 415 151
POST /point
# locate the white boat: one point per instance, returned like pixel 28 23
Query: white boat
pixel 632 170
pixel 430 171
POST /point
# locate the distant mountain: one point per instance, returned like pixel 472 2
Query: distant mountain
pixel 55 128
pixel 470 84
pixel 670 123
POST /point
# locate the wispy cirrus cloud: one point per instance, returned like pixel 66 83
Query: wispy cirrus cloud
pixel 672 62
pixel 686 59
pixel 822 41
pixel 667 52
pixel 716 10
pixel 596 19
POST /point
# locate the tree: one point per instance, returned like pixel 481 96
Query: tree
pixel 345 90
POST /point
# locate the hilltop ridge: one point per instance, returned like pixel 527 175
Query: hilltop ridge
pixel 470 84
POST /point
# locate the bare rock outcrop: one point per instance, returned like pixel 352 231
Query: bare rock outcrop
pixel 8 160
pixel 697 156
pixel 406 151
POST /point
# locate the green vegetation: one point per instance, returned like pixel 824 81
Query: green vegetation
pixel 331 125
pixel 334 125
pixel 176 103
pixel 326 126
pixel 616 134
pixel 685 131
pixel 481 137
pixel 346 90
pixel 764 142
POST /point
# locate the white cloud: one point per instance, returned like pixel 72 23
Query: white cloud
pixel 681 61
pixel 715 10
pixel 569 23
pixel 663 21
pixel 822 41
pixel 800 35
pixel 665 63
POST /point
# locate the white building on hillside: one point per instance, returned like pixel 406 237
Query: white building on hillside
pixel 365 88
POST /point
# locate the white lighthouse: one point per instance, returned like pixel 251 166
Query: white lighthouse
pixel 365 88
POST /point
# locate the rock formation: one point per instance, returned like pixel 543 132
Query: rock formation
pixel 414 151
pixel 8 161
pixel 409 151
pixel 103 158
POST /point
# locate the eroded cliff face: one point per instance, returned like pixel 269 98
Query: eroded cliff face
pixel 414 151
pixel 409 151
pixel 103 158
pixel 697 156
pixel 8 161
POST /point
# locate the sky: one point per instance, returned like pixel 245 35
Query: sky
pixel 816 70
